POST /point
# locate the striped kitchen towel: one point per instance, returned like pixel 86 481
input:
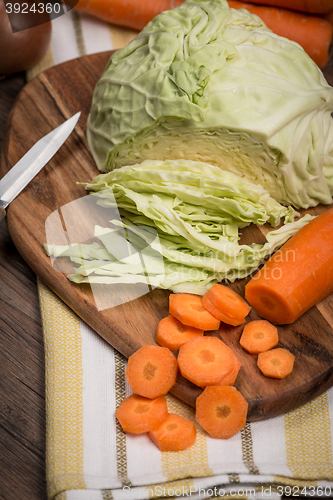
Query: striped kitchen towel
pixel 88 455
pixel 76 34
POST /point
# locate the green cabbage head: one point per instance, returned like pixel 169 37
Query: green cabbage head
pixel 208 83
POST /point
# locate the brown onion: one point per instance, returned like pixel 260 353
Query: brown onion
pixel 21 50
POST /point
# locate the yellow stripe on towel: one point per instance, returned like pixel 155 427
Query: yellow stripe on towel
pixel 45 63
pixel 308 440
pixel 121 36
pixel 64 401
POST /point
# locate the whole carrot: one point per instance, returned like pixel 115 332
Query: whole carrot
pixel 297 276
pixel 310 6
pixel 313 33
pixel 129 13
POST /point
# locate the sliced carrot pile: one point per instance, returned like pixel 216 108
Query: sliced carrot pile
pixel 259 336
pixel 221 410
pixel 205 360
pixel 137 414
pixel 174 434
pixel 151 371
pixel 276 363
pixel 226 305
pixel 188 309
pixel 230 378
pixel 173 334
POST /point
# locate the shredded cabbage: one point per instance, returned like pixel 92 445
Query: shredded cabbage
pixel 179 227
pixel 206 82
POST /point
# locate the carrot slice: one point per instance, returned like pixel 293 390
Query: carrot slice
pixel 151 371
pixel 228 302
pixel 173 334
pixel 230 378
pixel 297 276
pixel 221 410
pixel 188 309
pixel 276 363
pixel 174 434
pixel 137 414
pixel 206 302
pixel 205 360
pixel 259 336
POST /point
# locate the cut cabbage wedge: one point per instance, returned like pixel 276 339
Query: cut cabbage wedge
pixel 206 82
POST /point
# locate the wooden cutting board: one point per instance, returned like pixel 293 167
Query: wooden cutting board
pixel 42 105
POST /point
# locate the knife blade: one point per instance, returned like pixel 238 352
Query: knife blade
pixel 32 162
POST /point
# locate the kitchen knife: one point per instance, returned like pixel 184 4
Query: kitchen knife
pixel 32 162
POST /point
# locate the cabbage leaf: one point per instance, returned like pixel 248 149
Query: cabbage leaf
pixel 178 227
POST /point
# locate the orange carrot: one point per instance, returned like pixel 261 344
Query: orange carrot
pixel 276 363
pixel 221 410
pixel 223 297
pixel 188 309
pixel 129 13
pixel 230 378
pixel 174 434
pixel 311 6
pixel 151 371
pixel 226 305
pixel 297 276
pixel 217 313
pixel 259 336
pixel 313 33
pixel 133 15
pixel 205 360
pixel 137 414
pixel 172 333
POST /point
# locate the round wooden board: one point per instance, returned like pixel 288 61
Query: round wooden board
pixel 45 103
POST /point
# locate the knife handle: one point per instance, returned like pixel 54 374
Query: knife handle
pixel 2 213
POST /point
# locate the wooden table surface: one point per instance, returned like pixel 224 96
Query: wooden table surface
pixel 22 401
pixel 22 388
